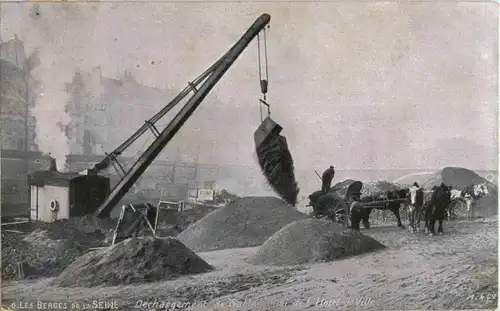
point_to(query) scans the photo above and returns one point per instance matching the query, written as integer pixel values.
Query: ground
(455, 271)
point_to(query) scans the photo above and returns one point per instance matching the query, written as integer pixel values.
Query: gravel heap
(246, 222)
(45, 249)
(39, 253)
(135, 260)
(312, 240)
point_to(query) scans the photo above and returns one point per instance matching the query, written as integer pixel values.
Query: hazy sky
(355, 85)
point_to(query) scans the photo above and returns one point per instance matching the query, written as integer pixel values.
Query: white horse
(470, 196)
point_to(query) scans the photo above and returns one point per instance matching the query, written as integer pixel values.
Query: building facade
(17, 125)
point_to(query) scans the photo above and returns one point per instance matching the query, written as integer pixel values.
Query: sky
(354, 85)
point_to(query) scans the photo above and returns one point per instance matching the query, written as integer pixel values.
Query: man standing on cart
(327, 178)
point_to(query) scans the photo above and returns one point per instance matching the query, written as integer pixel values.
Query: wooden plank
(13, 231)
(15, 223)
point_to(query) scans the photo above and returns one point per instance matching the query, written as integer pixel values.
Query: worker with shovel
(327, 178)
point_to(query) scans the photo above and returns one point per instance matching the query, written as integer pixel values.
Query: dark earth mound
(136, 260)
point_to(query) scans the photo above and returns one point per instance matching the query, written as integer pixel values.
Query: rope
(263, 81)
(258, 56)
(265, 55)
(260, 73)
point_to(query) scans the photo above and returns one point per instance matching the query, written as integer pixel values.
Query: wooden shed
(56, 195)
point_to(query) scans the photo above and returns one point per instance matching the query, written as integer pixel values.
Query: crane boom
(104, 164)
(173, 127)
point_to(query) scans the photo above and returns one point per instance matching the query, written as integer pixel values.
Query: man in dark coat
(327, 178)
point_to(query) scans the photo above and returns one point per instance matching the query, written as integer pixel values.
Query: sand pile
(40, 254)
(373, 188)
(459, 178)
(136, 260)
(245, 222)
(313, 240)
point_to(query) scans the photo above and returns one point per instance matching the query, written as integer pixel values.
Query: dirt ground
(455, 271)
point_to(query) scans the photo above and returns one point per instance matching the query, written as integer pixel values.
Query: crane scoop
(276, 161)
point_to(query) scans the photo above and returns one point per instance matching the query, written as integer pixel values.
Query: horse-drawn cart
(336, 206)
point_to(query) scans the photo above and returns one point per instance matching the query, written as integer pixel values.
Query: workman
(354, 213)
(327, 178)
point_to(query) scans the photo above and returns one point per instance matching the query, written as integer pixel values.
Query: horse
(386, 203)
(415, 207)
(469, 196)
(435, 208)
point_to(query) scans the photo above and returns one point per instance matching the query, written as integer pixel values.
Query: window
(4, 142)
(20, 144)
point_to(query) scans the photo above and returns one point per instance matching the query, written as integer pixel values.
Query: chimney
(53, 165)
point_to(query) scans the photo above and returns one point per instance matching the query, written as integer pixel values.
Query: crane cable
(264, 81)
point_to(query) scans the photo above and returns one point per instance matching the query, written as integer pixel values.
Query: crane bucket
(276, 161)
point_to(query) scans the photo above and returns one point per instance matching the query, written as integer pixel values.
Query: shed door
(34, 202)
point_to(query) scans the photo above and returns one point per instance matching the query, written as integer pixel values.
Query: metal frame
(136, 223)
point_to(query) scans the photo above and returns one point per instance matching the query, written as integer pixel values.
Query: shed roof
(41, 178)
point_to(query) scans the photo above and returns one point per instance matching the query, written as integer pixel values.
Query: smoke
(50, 110)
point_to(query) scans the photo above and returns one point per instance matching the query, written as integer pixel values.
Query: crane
(200, 87)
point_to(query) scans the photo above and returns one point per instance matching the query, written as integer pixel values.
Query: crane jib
(173, 127)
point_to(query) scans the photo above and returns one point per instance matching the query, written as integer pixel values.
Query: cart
(336, 206)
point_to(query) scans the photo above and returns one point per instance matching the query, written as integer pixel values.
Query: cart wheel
(338, 210)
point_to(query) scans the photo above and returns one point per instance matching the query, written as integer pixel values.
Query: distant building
(17, 126)
(105, 111)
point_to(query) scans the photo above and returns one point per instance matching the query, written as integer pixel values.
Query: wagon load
(378, 189)
(340, 188)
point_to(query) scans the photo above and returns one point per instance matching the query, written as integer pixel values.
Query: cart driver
(327, 178)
